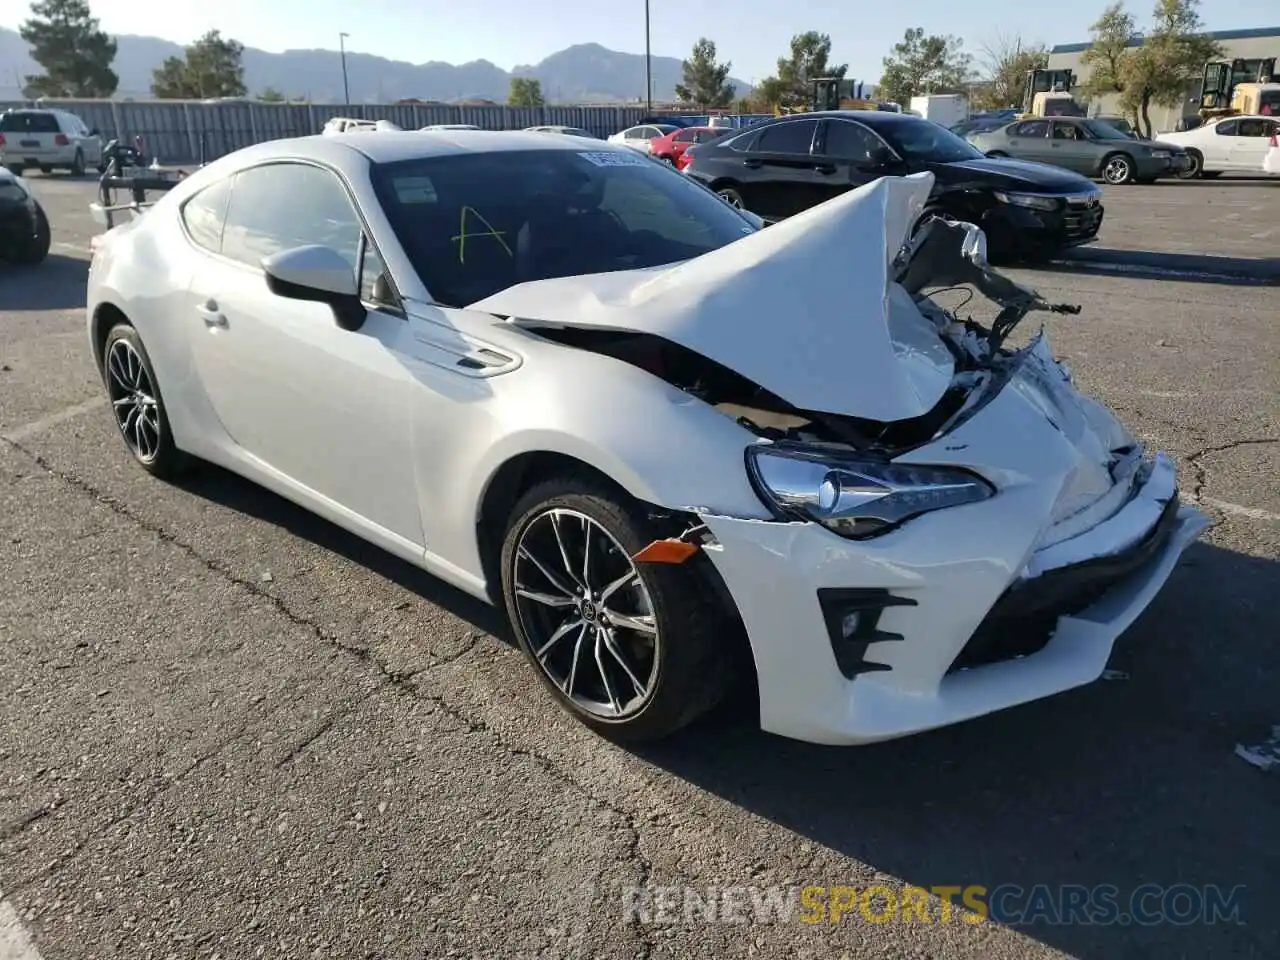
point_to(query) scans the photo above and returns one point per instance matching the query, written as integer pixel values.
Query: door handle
(752, 163)
(825, 169)
(209, 314)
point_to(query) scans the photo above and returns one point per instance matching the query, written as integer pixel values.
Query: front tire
(635, 651)
(137, 404)
(77, 165)
(1196, 168)
(37, 246)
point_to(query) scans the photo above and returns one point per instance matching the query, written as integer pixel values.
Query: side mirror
(319, 274)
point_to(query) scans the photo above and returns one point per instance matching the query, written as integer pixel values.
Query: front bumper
(1076, 221)
(941, 587)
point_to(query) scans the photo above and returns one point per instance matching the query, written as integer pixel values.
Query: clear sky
(750, 33)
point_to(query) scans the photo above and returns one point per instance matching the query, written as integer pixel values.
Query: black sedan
(24, 228)
(780, 167)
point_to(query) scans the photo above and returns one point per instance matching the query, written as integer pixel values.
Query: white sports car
(577, 384)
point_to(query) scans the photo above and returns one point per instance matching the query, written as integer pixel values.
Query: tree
(1172, 56)
(211, 68)
(272, 95)
(925, 64)
(525, 92)
(810, 58)
(1005, 62)
(704, 79)
(75, 54)
(1108, 55)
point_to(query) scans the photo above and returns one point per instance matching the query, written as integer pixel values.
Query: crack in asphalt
(399, 681)
(1201, 477)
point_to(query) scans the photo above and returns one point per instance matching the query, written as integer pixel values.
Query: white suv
(48, 139)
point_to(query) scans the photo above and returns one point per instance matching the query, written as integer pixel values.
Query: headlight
(1028, 200)
(854, 496)
(1160, 154)
(12, 191)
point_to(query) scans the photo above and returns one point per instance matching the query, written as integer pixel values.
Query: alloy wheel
(732, 198)
(586, 614)
(134, 400)
(1117, 170)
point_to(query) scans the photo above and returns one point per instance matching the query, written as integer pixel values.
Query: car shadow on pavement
(1121, 784)
(57, 284)
(234, 492)
(1156, 265)
(1128, 782)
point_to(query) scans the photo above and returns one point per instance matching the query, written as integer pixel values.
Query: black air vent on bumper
(853, 616)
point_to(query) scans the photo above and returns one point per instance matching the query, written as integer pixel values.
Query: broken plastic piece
(671, 550)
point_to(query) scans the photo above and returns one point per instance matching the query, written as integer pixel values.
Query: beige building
(1263, 42)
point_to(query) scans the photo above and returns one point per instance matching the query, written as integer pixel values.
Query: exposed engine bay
(942, 256)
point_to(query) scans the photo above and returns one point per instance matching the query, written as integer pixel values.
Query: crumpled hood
(804, 308)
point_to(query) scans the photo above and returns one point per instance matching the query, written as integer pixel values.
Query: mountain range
(583, 73)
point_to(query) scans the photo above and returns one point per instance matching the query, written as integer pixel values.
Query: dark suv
(780, 167)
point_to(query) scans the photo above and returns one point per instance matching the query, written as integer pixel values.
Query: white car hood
(804, 308)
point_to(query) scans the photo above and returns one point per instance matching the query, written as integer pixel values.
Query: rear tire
(672, 664)
(1118, 168)
(731, 196)
(137, 404)
(77, 165)
(1196, 168)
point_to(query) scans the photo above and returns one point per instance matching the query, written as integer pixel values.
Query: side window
(1252, 128)
(742, 143)
(372, 270)
(684, 136)
(1227, 128)
(795, 136)
(1066, 131)
(849, 141)
(279, 206)
(205, 213)
(1032, 128)
(635, 133)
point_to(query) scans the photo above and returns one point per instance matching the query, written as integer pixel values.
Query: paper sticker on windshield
(616, 158)
(415, 190)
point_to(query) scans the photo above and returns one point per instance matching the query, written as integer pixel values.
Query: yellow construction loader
(1047, 93)
(1239, 86)
(836, 93)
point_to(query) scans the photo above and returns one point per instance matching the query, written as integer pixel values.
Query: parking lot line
(18, 434)
(15, 942)
(70, 248)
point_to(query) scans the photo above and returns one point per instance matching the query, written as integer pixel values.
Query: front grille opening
(1023, 620)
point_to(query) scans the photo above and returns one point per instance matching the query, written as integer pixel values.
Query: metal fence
(186, 131)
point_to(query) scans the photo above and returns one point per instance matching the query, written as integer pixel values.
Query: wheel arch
(105, 316)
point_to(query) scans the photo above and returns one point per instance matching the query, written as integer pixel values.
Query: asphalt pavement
(228, 729)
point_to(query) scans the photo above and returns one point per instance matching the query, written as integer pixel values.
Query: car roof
(390, 146)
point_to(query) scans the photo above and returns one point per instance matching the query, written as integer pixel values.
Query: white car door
(1249, 147)
(326, 407)
(1220, 146)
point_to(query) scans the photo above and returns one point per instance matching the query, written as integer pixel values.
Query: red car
(671, 148)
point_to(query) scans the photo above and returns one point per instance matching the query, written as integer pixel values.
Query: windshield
(476, 223)
(925, 140)
(1103, 130)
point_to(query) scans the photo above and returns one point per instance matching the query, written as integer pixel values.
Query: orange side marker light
(666, 551)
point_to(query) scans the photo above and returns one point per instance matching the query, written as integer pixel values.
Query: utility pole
(648, 63)
(342, 52)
